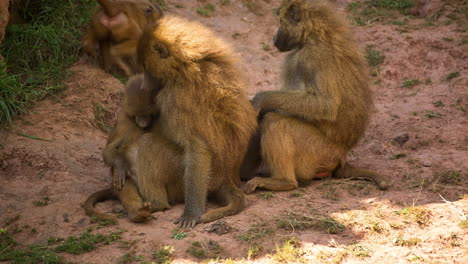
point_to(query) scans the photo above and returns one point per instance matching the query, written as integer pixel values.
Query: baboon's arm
(303, 104)
(197, 161)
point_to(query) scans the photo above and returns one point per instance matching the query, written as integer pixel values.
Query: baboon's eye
(293, 14)
(148, 11)
(161, 49)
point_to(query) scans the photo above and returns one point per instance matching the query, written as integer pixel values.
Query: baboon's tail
(349, 172)
(93, 199)
(108, 7)
(235, 200)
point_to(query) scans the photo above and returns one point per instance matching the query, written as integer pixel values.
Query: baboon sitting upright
(322, 110)
(205, 119)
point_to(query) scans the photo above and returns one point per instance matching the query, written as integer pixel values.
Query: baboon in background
(322, 109)
(134, 118)
(115, 29)
(203, 112)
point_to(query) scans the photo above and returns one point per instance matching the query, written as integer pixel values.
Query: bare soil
(418, 138)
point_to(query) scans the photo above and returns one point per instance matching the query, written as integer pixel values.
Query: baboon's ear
(293, 14)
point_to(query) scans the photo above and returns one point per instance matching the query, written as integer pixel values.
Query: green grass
(163, 255)
(178, 235)
(13, 252)
(374, 57)
(397, 156)
(43, 202)
(370, 11)
(452, 75)
(290, 252)
(206, 10)
(450, 177)
(302, 222)
(432, 114)
(86, 242)
(38, 52)
(410, 83)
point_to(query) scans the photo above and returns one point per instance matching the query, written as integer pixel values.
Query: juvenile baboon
(322, 109)
(203, 111)
(137, 112)
(115, 29)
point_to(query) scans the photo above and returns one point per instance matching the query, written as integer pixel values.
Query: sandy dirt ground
(418, 138)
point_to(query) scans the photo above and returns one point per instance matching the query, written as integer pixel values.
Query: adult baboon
(322, 109)
(204, 113)
(115, 29)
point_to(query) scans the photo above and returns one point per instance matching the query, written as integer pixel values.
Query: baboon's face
(288, 36)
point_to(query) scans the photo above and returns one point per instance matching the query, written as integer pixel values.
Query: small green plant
(452, 75)
(225, 2)
(433, 114)
(13, 252)
(235, 35)
(438, 104)
(129, 257)
(265, 195)
(289, 252)
(450, 177)
(410, 83)
(361, 251)
(417, 214)
(43, 202)
(103, 222)
(206, 10)
(178, 235)
(266, 47)
(296, 195)
(163, 255)
(397, 156)
(407, 242)
(256, 232)
(463, 224)
(374, 57)
(293, 221)
(197, 250)
(87, 242)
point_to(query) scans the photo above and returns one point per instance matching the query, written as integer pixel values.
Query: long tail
(108, 7)
(235, 203)
(93, 199)
(349, 172)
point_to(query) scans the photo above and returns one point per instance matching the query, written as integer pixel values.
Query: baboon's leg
(292, 150)
(153, 168)
(133, 203)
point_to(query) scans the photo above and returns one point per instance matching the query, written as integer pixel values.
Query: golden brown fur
(203, 112)
(115, 29)
(322, 109)
(121, 150)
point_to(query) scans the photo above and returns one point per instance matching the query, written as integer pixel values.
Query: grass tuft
(289, 252)
(38, 52)
(417, 214)
(163, 255)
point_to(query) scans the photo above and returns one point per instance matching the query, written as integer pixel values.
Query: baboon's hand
(257, 101)
(186, 221)
(118, 179)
